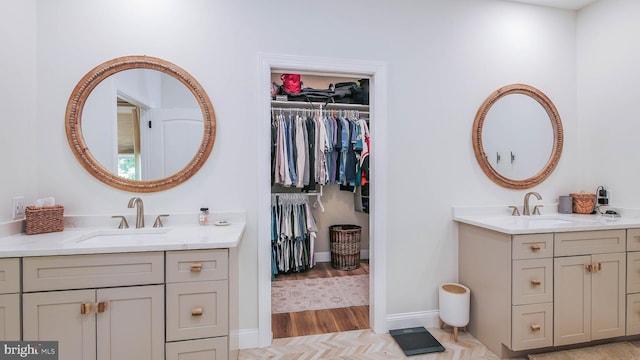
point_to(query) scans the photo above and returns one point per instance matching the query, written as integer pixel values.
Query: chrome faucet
(525, 207)
(137, 202)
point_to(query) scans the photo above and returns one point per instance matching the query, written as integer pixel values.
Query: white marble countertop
(102, 239)
(499, 219)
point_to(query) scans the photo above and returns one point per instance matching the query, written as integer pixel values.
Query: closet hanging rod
(288, 110)
(299, 193)
(328, 106)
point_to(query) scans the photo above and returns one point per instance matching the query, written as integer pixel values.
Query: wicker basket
(583, 203)
(44, 219)
(344, 241)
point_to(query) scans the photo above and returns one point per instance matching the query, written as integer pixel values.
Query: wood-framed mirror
(517, 136)
(140, 124)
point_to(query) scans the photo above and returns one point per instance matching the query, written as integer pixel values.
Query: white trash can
(454, 300)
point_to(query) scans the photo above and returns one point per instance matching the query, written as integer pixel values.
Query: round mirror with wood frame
(80, 149)
(540, 174)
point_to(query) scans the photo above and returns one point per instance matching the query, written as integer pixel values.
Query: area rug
(619, 350)
(319, 293)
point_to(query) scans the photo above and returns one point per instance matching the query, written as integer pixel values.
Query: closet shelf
(316, 105)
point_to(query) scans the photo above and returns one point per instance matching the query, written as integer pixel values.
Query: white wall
(608, 97)
(18, 137)
(444, 58)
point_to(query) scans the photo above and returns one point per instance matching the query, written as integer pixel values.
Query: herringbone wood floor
(321, 321)
(344, 333)
(364, 344)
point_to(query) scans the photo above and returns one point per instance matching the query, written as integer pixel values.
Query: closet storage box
(44, 219)
(344, 241)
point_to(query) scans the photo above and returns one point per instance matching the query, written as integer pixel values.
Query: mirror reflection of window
(128, 140)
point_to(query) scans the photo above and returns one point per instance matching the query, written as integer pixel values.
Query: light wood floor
(314, 322)
(364, 344)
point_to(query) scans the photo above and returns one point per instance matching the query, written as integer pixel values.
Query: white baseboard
(249, 339)
(407, 320)
(325, 256)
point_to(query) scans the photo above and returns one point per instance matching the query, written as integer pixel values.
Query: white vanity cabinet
(534, 291)
(104, 306)
(197, 304)
(10, 299)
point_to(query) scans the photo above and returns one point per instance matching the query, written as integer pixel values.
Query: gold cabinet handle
(536, 282)
(594, 268)
(535, 247)
(100, 307)
(535, 327)
(196, 267)
(196, 311)
(85, 308)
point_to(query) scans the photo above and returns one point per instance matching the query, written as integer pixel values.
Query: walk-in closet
(320, 200)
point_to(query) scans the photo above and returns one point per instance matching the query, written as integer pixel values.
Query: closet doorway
(321, 277)
(375, 227)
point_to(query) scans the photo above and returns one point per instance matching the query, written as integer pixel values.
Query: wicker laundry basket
(344, 241)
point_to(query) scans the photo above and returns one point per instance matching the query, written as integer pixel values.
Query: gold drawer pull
(85, 308)
(598, 266)
(100, 307)
(589, 268)
(196, 267)
(535, 327)
(196, 311)
(536, 282)
(536, 247)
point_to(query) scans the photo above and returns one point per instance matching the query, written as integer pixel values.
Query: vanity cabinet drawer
(633, 239)
(532, 281)
(589, 242)
(197, 310)
(532, 326)
(92, 271)
(633, 314)
(202, 349)
(532, 246)
(197, 265)
(9, 276)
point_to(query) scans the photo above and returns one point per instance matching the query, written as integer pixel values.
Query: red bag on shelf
(291, 82)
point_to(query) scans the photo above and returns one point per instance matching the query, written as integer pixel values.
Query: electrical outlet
(604, 196)
(17, 207)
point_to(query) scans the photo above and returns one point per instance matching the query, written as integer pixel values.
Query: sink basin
(123, 237)
(535, 221)
(549, 221)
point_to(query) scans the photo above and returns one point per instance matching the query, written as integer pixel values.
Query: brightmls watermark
(31, 350)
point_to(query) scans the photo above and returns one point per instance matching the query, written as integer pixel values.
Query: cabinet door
(633, 314)
(10, 317)
(58, 316)
(608, 296)
(633, 272)
(572, 300)
(131, 325)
